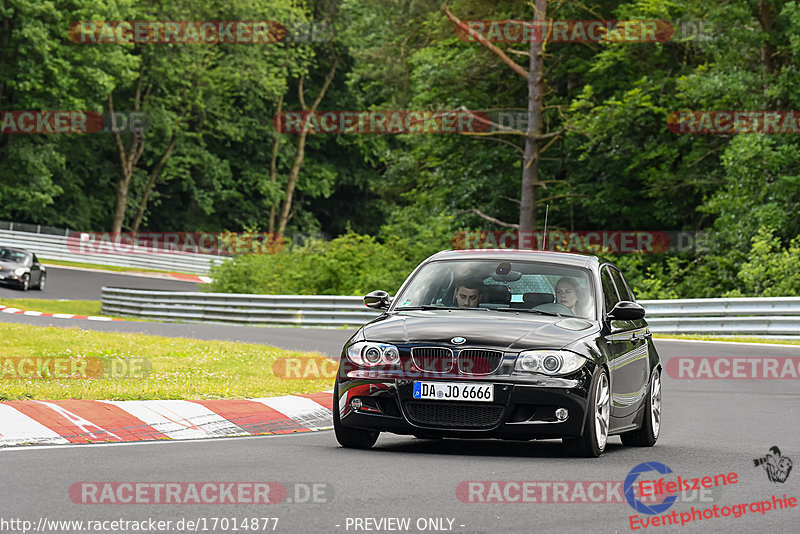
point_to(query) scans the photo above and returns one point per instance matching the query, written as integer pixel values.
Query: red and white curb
(191, 278)
(197, 278)
(35, 422)
(8, 309)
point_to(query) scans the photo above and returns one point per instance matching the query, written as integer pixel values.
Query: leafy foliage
(611, 163)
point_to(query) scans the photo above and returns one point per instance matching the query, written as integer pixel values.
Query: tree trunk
(301, 148)
(273, 166)
(128, 159)
(530, 160)
(152, 181)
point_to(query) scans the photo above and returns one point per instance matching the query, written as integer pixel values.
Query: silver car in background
(21, 268)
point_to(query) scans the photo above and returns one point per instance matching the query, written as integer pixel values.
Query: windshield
(500, 285)
(13, 255)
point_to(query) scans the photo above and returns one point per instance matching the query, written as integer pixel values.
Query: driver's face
(566, 295)
(467, 298)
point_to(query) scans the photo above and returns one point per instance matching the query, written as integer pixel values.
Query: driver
(468, 293)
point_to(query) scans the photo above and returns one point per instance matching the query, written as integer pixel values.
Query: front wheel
(647, 435)
(350, 438)
(595, 432)
(42, 280)
(25, 282)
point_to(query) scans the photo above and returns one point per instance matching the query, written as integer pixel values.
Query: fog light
(562, 414)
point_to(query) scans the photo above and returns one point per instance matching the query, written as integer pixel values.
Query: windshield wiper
(526, 310)
(432, 307)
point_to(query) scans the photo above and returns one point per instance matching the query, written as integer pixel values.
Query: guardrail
(767, 317)
(296, 310)
(50, 246)
(777, 317)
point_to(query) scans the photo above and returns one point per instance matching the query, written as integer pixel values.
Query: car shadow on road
(484, 447)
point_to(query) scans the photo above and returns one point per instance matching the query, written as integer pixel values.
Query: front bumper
(519, 410)
(10, 278)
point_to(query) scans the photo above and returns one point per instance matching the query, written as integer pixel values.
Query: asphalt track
(710, 427)
(83, 284)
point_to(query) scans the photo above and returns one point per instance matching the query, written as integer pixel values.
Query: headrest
(496, 294)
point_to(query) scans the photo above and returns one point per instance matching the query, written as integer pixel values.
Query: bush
(771, 270)
(351, 264)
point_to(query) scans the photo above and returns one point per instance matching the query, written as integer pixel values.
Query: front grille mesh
(433, 359)
(454, 415)
(478, 361)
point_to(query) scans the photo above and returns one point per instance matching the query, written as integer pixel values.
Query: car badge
(458, 341)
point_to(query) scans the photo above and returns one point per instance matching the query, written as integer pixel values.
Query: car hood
(505, 330)
(9, 265)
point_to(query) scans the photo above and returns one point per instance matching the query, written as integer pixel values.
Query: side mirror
(626, 310)
(377, 300)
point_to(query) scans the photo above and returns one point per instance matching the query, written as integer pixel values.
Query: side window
(622, 287)
(609, 292)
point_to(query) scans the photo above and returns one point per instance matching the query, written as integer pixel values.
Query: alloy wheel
(602, 411)
(655, 403)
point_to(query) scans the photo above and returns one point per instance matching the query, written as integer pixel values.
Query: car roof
(543, 256)
(15, 249)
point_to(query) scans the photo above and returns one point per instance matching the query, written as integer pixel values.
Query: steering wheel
(552, 307)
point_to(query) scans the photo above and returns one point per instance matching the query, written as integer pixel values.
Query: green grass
(95, 266)
(181, 368)
(737, 339)
(76, 307)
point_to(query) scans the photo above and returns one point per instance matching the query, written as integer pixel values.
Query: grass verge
(737, 339)
(75, 307)
(179, 368)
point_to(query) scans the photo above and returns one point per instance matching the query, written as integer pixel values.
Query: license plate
(460, 391)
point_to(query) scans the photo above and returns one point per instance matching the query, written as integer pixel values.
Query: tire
(595, 431)
(25, 283)
(647, 434)
(350, 438)
(42, 280)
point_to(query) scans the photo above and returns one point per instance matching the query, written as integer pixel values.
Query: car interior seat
(531, 300)
(496, 296)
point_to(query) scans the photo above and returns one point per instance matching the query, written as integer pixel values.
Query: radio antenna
(544, 234)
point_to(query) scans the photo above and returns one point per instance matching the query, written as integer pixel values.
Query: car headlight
(368, 354)
(549, 362)
(19, 271)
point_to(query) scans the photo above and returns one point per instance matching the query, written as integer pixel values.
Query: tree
(534, 76)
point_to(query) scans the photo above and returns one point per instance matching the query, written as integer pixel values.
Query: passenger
(568, 294)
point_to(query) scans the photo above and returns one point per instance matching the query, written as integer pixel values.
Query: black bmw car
(503, 344)
(21, 268)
